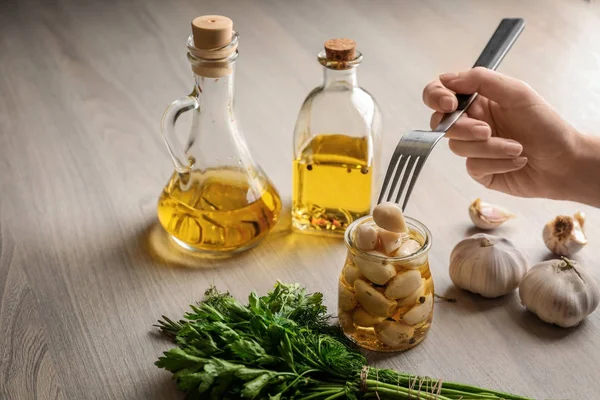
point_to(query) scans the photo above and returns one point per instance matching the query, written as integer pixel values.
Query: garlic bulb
(488, 216)
(488, 265)
(564, 235)
(560, 292)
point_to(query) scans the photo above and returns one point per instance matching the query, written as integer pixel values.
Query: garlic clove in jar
(363, 318)
(564, 235)
(408, 248)
(346, 297)
(560, 292)
(377, 271)
(488, 216)
(403, 284)
(372, 300)
(389, 217)
(351, 273)
(346, 322)
(366, 237)
(390, 241)
(420, 312)
(394, 334)
(414, 296)
(487, 265)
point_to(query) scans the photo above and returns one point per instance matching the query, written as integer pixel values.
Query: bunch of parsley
(282, 346)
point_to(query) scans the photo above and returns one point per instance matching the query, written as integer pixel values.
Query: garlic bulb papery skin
(560, 292)
(487, 265)
(564, 235)
(488, 216)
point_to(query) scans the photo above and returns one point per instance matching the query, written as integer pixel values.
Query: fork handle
(492, 55)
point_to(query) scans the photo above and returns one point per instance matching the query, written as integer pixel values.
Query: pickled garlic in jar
(385, 289)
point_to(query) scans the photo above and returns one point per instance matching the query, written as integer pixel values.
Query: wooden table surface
(84, 269)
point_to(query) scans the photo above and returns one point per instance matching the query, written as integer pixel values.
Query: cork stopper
(212, 38)
(340, 50)
(211, 31)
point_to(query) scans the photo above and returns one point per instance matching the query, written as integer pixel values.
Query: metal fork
(415, 146)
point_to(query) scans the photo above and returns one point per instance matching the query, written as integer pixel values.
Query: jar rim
(411, 222)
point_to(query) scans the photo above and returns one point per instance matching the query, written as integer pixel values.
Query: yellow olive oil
(332, 180)
(218, 211)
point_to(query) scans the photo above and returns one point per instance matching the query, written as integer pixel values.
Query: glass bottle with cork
(336, 147)
(218, 200)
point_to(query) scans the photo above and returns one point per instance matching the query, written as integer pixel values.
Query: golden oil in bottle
(218, 211)
(332, 181)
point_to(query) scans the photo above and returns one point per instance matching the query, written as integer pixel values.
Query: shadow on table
(473, 302)
(153, 240)
(516, 312)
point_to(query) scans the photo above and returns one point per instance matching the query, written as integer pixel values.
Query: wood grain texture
(84, 269)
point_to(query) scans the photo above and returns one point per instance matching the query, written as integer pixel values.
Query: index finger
(439, 98)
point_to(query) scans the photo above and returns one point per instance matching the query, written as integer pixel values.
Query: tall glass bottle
(336, 147)
(218, 200)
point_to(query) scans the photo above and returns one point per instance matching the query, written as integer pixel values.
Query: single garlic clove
(412, 298)
(488, 216)
(408, 248)
(394, 334)
(373, 301)
(377, 271)
(420, 312)
(366, 237)
(351, 273)
(346, 297)
(560, 292)
(403, 284)
(363, 318)
(580, 217)
(389, 217)
(564, 235)
(346, 322)
(390, 241)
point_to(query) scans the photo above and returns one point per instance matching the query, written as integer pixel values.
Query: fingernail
(513, 148)
(447, 103)
(520, 161)
(449, 76)
(481, 132)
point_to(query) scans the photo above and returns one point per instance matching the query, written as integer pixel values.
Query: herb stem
(335, 396)
(321, 394)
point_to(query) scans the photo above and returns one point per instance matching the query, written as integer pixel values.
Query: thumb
(497, 87)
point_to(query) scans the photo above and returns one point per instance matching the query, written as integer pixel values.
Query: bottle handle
(169, 119)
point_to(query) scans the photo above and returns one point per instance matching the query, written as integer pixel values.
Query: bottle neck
(346, 77)
(215, 95)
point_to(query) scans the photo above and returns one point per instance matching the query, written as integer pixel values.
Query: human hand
(513, 140)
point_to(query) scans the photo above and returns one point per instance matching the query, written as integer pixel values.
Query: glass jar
(337, 147)
(395, 315)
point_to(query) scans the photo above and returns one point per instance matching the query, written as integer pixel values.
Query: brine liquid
(331, 184)
(218, 211)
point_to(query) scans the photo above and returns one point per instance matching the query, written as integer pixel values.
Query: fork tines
(406, 163)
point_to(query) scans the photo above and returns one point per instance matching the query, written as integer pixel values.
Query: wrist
(582, 180)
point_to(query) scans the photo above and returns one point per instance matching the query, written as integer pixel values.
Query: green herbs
(282, 346)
